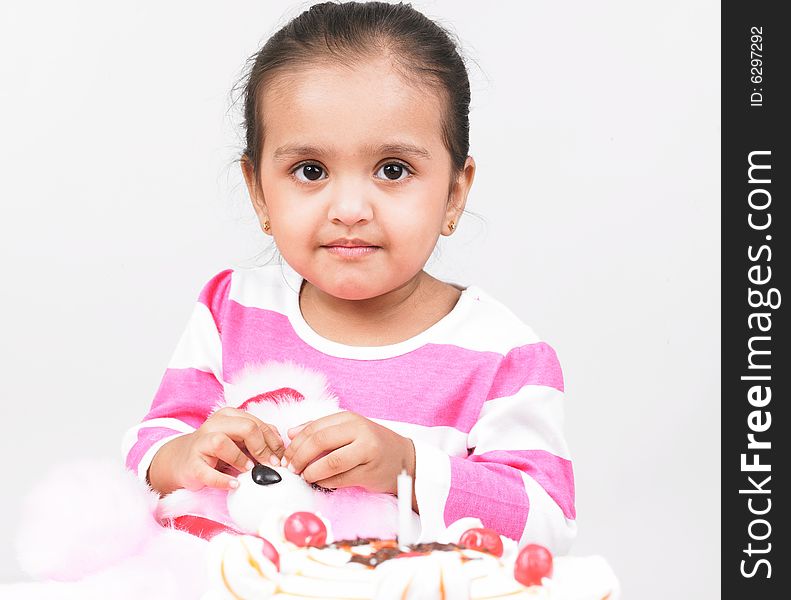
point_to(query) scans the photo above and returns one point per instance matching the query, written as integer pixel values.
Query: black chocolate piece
(264, 475)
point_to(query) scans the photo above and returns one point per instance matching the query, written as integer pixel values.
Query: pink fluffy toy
(92, 529)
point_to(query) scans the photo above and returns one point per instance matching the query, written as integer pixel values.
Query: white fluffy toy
(92, 529)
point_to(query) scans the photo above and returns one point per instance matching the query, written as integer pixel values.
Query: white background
(595, 127)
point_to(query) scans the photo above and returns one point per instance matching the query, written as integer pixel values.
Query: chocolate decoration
(264, 475)
(350, 543)
(389, 549)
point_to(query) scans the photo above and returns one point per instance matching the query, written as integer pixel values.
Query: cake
(249, 567)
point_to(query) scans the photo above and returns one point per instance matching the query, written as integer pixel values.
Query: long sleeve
(191, 385)
(517, 477)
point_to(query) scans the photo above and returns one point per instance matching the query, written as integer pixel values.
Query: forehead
(350, 108)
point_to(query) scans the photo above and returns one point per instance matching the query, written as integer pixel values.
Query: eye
(310, 172)
(393, 171)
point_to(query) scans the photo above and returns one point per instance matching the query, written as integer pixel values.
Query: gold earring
(266, 225)
(452, 225)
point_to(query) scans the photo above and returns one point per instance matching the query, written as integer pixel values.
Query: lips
(352, 251)
(350, 243)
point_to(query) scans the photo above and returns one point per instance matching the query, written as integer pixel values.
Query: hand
(346, 449)
(228, 438)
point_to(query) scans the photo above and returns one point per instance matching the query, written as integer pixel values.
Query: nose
(264, 475)
(349, 204)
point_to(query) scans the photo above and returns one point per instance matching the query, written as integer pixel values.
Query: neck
(369, 310)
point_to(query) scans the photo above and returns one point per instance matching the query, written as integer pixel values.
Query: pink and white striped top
(478, 392)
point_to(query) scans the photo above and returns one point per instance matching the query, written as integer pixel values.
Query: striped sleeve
(191, 386)
(517, 478)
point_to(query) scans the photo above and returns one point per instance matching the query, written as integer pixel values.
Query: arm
(517, 478)
(191, 386)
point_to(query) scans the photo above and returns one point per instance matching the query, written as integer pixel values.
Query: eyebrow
(294, 150)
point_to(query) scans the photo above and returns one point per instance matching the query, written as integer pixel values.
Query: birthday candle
(404, 483)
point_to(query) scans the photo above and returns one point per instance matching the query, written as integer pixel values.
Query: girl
(356, 161)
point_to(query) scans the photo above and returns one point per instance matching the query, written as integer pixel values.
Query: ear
(255, 191)
(457, 198)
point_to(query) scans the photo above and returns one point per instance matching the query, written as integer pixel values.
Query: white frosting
(438, 575)
(239, 570)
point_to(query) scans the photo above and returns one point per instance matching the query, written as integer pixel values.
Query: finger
(261, 439)
(221, 446)
(274, 444)
(295, 430)
(354, 476)
(205, 475)
(219, 421)
(323, 440)
(224, 412)
(250, 432)
(263, 443)
(244, 449)
(334, 463)
(310, 429)
(224, 467)
(258, 441)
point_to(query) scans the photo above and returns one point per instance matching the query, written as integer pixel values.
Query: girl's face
(355, 154)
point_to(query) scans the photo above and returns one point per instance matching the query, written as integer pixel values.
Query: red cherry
(270, 552)
(482, 539)
(533, 563)
(305, 529)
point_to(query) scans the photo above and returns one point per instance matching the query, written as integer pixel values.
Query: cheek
(292, 217)
(279, 194)
(419, 219)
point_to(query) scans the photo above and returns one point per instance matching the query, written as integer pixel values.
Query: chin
(352, 288)
(353, 293)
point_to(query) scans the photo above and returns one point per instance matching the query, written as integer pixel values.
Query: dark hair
(422, 51)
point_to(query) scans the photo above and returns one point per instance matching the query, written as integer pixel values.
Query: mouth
(350, 243)
(351, 251)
